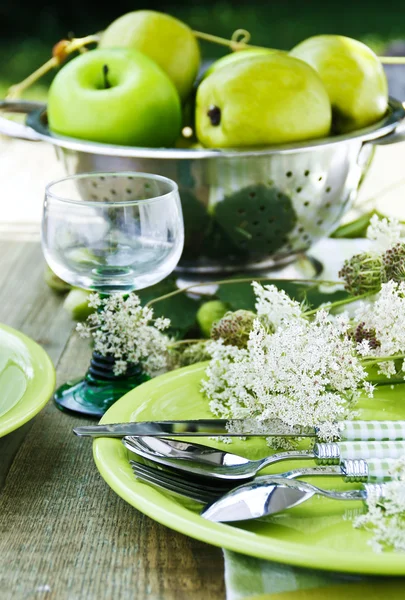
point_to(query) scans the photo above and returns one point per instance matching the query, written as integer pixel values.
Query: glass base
(98, 390)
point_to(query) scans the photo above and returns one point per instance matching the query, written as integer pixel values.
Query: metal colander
(243, 210)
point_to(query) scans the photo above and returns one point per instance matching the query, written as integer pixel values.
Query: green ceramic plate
(317, 534)
(27, 379)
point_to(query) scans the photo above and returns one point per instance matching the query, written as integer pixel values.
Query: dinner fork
(206, 491)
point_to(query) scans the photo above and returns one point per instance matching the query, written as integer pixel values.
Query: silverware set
(227, 485)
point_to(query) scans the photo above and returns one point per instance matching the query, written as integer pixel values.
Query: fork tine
(179, 485)
(203, 498)
(174, 476)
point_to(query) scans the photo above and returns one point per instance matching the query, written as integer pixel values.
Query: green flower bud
(362, 274)
(234, 328)
(183, 356)
(394, 263)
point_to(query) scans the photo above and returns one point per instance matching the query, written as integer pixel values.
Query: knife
(349, 430)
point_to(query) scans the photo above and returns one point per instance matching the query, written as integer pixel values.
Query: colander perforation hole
(262, 208)
(106, 199)
(319, 222)
(289, 174)
(255, 223)
(94, 184)
(320, 178)
(252, 195)
(102, 178)
(328, 189)
(94, 197)
(328, 205)
(306, 203)
(241, 211)
(128, 191)
(300, 229)
(305, 237)
(306, 173)
(113, 192)
(298, 190)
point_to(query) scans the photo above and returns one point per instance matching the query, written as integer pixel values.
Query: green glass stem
(99, 389)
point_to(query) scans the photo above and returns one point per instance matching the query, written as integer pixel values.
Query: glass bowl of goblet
(110, 233)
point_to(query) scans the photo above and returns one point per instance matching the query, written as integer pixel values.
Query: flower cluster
(274, 306)
(384, 233)
(385, 518)
(384, 324)
(124, 329)
(234, 328)
(365, 273)
(305, 373)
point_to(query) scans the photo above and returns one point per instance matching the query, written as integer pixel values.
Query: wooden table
(64, 534)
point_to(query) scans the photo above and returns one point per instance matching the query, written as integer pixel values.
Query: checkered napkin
(248, 578)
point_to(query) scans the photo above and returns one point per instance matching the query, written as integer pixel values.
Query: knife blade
(195, 428)
(348, 430)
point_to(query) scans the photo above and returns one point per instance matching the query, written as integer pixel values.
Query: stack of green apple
(140, 86)
(143, 86)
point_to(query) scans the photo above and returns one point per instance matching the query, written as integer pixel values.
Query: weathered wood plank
(27, 304)
(64, 534)
(63, 528)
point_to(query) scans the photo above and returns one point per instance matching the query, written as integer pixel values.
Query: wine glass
(110, 232)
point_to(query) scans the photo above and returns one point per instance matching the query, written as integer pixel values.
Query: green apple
(263, 100)
(209, 313)
(77, 304)
(115, 96)
(54, 282)
(168, 41)
(353, 76)
(229, 59)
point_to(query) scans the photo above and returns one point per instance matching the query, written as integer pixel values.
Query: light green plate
(27, 379)
(317, 534)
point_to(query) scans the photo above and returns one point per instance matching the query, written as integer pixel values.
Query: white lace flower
(369, 388)
(306, 373)
(274, 306)
(385, 519)
(385, 233)
(124, 329)
(386, 320)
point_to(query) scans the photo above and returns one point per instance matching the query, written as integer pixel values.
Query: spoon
(198, 459)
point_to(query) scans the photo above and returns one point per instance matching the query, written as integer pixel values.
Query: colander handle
(18, 130)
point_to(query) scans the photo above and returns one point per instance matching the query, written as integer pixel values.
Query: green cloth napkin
(251, 578)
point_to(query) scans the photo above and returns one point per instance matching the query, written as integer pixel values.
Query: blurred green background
(29, 31)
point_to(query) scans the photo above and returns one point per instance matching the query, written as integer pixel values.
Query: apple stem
(60, 52)
(107, 84)
(233, 43)
(392, 60)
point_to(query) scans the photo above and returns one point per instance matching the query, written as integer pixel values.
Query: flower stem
(189, 341)
(372, 361)
(238, 280)
(339, 303)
